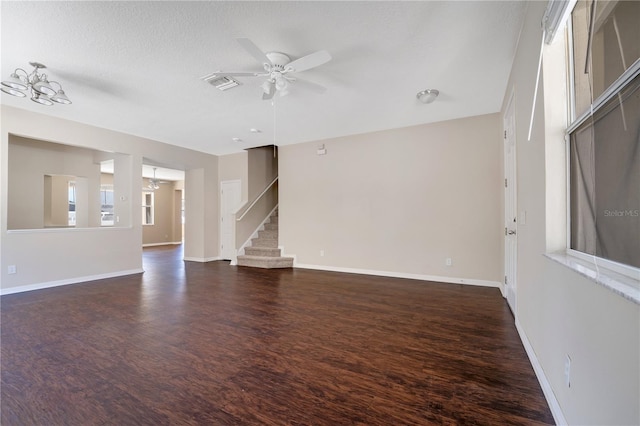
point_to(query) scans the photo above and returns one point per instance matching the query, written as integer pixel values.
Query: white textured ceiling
(135, 67)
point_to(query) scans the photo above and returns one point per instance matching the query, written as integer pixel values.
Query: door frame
(510, 205)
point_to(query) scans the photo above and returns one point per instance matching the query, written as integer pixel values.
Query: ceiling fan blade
(315, 87)
(220, 74)
(254, 50)
(310, 61)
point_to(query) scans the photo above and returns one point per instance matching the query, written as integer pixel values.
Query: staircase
(264, 251)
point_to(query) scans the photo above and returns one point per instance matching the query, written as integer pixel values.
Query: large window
(604, 143)
(72, 203)
(147, 208)
(106, 205)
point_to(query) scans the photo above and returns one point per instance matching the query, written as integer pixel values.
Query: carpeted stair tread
(262, 251)
(265, 262)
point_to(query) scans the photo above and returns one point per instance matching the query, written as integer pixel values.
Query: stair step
(262, 251)
(262, 242)
(273, 219)
(265, 262)
(270, 226)
(268, 234)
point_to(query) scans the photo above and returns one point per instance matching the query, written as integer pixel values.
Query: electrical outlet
(12, 269)
(448, 261)
(322, 253)
(567, 371)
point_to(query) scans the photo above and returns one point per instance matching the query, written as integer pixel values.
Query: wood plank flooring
(210, 344)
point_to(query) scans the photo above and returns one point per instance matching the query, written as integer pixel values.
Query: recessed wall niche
(53, 185)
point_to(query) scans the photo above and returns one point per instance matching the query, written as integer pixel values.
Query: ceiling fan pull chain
(273, 104)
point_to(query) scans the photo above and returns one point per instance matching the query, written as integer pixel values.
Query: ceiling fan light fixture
(41, 99)
(13, 92)
(427, 96)
(266, 86)
(281, 83)
(43, 86)
(37, 84)
(15, 82)
(277, 67)
(153, 183)
(61, 98)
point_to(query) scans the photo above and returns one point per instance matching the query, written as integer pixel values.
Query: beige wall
(49, 257)
(31, 161)
(256, 168)
(559, 312)
(166, 226)
(398, 201)
(262, 169)
(235, 167)
(201, 228)
(56, 200)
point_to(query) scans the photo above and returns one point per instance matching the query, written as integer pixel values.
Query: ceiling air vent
(222, 83)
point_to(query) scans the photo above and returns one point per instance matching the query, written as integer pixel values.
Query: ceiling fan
(155, 183)
(277, 68)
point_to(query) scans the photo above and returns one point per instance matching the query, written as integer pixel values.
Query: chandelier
(153, 183)
(20, 84)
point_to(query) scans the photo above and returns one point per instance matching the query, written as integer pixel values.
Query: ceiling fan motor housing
(279, 61)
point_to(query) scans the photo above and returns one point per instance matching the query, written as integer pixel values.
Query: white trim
(555, 17)
(202, 259)
(69, 229)
(436, 278)
(602, 263)
(554, 406)
(512, 182)
(48, 284)
(616, 87)
(627, 287)
(168, 243)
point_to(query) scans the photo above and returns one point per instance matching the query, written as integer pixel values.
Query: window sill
(626, 287)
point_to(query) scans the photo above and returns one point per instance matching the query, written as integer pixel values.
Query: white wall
(49, 257)
(398, 202)
(558, 311)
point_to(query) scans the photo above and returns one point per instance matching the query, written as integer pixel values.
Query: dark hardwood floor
(211, 344)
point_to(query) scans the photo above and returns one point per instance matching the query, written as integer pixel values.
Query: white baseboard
(554, 406)
(437, 278)
(48, 284)
(202, 259)
(168, 243)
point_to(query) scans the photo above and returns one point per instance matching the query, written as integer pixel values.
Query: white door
(230, 198)
(510, 207)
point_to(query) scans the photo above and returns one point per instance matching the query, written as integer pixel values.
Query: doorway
(510, 207)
